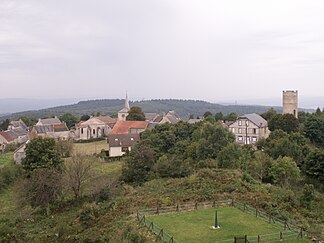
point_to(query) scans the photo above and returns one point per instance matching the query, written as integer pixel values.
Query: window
(254, 131)
(240, 130)
(81, 130)
(254, 139)
(124, 149)
(247, 123)
(132, 139)
(233, 130)
(240, 138)
(240, 122)
(93, 131)
(116, 139)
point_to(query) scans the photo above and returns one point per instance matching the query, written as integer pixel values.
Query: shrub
(88, 214)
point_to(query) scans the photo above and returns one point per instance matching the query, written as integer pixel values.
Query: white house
(119, 144)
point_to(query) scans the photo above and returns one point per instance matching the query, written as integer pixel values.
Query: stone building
(290, 102)
(249, 128)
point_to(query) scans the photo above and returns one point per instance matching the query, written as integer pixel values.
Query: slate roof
(43, 128)
(19, 131)
(123, 140)
(49, 121)
(256, 119)
(123, 127)
(150, 116)
(17, 124)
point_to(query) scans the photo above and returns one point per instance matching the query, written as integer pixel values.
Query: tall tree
(135, 114)
(314, 129)
(284, 170)
(219, 116)
(4, 125)
(41, 153)
(286, 122)
(69, 119)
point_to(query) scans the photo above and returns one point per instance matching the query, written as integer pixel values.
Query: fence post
(177, 207)
(196, 206)
(245, 239)
(234, 239)
(281, 235)
(171, 239)
(161, 234)
(259, 239)
(301, 233)
(214, 204)
(157, 210)
(256, 212)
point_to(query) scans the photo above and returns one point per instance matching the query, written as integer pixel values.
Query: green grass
(6, 158)
(195, 226)
(90, 148)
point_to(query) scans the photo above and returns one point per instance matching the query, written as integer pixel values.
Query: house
(20, 153)
(56, 131)
(17, 124)
(170, 117)
(124, 136)
(129, 127)
(195, 120)
(94, 127)
(6, 138)
(123, 113)
(249, 128)
(48, 121)
(119, 144)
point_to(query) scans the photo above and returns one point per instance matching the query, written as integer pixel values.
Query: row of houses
(121, 134)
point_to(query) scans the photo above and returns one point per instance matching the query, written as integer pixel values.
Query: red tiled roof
(123, 127)
(60, 128)
(7, 136)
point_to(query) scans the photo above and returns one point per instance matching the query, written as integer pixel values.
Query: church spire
(127, 102)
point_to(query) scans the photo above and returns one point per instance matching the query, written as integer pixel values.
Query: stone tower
(290, 102)
(123, 113)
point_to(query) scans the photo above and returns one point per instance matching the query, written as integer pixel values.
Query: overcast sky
(193, 49)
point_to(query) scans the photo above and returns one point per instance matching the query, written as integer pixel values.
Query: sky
(219, 51)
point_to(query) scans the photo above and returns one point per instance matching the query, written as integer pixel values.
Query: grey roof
(43, 128)
(256, 119)
(150, 116)
(50, 121)
(120, 140)
(19, 131)
(18, 124)
(12, 134)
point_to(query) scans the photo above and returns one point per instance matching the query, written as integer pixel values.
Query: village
(122, 134)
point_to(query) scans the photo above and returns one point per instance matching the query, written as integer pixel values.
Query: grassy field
(6, 158)
(195, 226)
(90, 148)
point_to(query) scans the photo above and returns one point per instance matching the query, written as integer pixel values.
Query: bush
(88, 214)
(172, 167)
(104, 195)
(8, 174)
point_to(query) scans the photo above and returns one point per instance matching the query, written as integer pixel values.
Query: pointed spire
(126, 102)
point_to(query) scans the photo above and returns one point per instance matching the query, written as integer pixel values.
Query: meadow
(196, 226)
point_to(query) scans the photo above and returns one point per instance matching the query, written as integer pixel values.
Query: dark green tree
(285, 122)
(269, 114)
(28, 121)
(229, 156)
(207, 113)
(314, 129)
(139, 164)
(4, 125)
(219, 116)
(231, 117)
(308, 196)
(135, 114)
(84, 118)
(69, 119)
(42, 153)
(314, 165)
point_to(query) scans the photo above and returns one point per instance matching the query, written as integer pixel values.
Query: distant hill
(111, 106)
